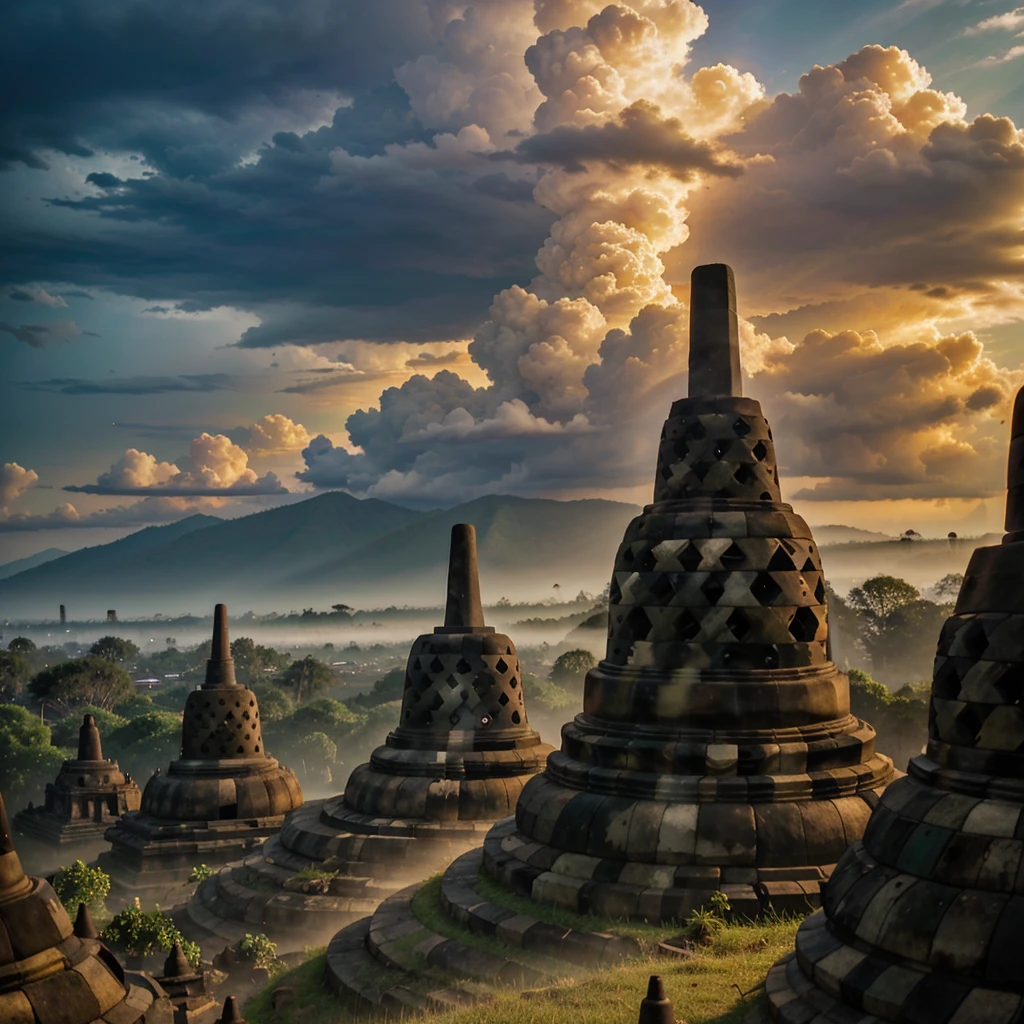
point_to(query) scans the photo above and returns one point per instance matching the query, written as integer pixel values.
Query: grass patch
(313, 872)
(310, 991)
(648, 935)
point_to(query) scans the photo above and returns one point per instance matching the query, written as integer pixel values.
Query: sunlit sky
(425, 251)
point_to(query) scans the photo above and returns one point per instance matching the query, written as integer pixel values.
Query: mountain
(21, 564)
(324, 550)
(838, 534)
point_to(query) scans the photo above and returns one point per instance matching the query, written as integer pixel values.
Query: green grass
(310, 991)
(313, 872)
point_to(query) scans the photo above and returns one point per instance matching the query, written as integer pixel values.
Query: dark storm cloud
(638, 136)
(268, 484)
(133, 385)
(38, 335)
(71, 70)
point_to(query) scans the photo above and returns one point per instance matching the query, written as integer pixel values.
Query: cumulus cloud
(14, 481)
(219, 467)
(276, 432)
(1011, 21)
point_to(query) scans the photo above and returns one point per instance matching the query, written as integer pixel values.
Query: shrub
(201, 872)
(65, 732)
(138, 933)
(260, 951)
(570, 668)
(27, 758)
(78, 883)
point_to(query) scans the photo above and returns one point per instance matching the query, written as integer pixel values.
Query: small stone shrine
(222, 797)
(48, 973)
(186, 989)
(715, 752)
(923, 920)
(87, 797)
(456, 763)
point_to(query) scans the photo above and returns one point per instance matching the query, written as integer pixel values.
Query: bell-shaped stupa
(923, 920)
(457, 761)
(87, 797)
(716, 749)
(223, 796)
(48, 973)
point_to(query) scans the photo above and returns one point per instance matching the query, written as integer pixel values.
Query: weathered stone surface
(716, 745)
(221, 798)
(923, 919)
(49, 974)
(87, 797)
(457, 761)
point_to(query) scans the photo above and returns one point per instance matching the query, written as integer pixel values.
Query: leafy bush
(326, 715)
(78, 883)
(201, 872)
(146, 743)
(900, 719)
(137, 704)
(137, 933)
(545, 694)
(27, 758)
(260, 951)
(385, 690)
(275, 704)
(570, 668)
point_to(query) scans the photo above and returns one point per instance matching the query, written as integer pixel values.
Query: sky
(426, 250)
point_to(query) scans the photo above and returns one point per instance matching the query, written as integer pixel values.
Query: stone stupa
(48, 973)
(457, 761)
(716, 749)
(87, 797)
(222, 797)
(923, 920)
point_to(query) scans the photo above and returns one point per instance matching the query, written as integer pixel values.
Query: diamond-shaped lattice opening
(712, 588)
(760, 451)
(454, 718)
(781, 562)
(973, 639)
(946, 679)
(687, 627)
(695, 431)
(501, 665)
(644, 560)
(732, 557)
(627, 555)
(701, 469)
(513, 682)
(481, 685)
(662, 587)
(437, 665)
(743, 474)
(463, 667)
(437, 703)
(452, 682)
(809, 565)
(819, 592)
(740, 427)
(515, 718)
(680, 448)
(503, 699)
(739, 624)
(804, 625)
(721, 448)
(690, 557)
(638, 624)
(765, 589)
(416, 664)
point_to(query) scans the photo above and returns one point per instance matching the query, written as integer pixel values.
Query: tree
(343, 609)
(570, 668)
(949, 586)
(113, 648)
(146, 743)
(137, 933)
(275, 704)
(306, 677)
(880, 596)
(253, 662)
(21, 645)
(28, 760)
(13, 673)
(78, 883)
(326, 715)
(65, 732)
(86, 681)
(390, 687)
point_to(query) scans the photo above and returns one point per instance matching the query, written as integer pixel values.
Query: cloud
(275, 432)
(139, 385)
(147, 512)
(1011, 21)
(33, 293)
(14, 481)
(219, 468)
(428, 359)
(1013, 53)
(39, 335)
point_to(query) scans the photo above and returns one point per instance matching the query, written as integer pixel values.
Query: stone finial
(1015, 474)
(231, 1014)
(12, 875)
(89, 748)
(463, 610)
(84, 927)
(714, 333)
(656, 1007)
(176, 965)
(220, 669)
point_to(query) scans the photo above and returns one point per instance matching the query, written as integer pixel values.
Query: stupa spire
(1015, 475)
(220, 668)
(12, 875)
(89, 748)
(84, 926)
(463, 611)
(714, 333)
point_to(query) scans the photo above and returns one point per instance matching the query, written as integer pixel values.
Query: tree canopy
(306, 677)
(253, 662)
(21, 645)
(114, 648)
(27, 758)
(880, 596)
(84, 681)
(570, 668)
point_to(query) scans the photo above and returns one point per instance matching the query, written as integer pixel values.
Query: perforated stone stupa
(716, 749)
(49, 974)
(223, 796)
(457, 761)
(87, 797)
(923, 921)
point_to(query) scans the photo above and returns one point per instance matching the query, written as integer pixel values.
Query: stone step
(361, 984)
(206, 928)
(398, 940)
(463, 904)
